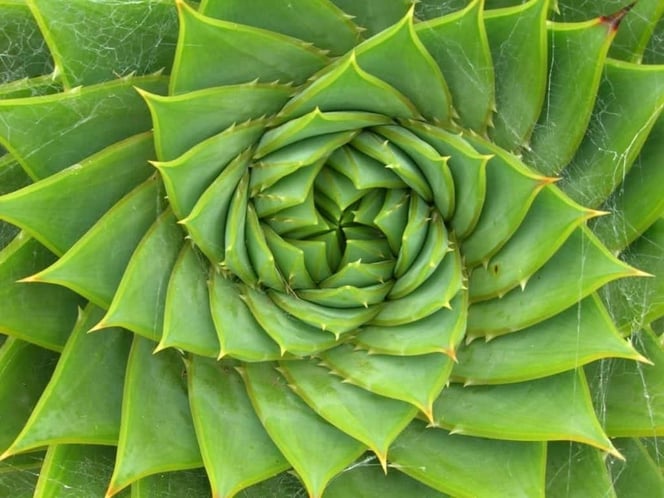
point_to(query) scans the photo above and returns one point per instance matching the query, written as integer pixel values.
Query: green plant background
(80, 77)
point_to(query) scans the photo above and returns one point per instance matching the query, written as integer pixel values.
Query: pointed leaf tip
(613, 20)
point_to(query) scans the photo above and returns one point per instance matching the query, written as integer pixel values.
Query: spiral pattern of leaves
(324, 238)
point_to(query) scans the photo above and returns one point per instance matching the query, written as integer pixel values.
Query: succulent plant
(331, 248)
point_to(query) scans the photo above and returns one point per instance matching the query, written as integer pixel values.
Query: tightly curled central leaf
(335, 214)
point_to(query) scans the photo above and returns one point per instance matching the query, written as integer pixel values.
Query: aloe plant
(331, 248)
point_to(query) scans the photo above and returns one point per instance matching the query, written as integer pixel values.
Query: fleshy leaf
(239, 334)
(549, 221)
(320, 22)
(187, 320)
(26, 367)
(470, 467)
(75, 468)
(181, 121)
(458, 43)
(557, 407)
(576, 471)
(629, 101)
(575, 54)
(154, 403)
(39, 313)
(58, 210)
(517, 39)
(297, 431)
(81, 403)
(374, 420)
(131, 216)
(138, 304)
(417, 380)
(375, 15)
(437, 333)
(236, 450)
(579, 268)
(113, 110)
(187, 176)
(99, 50)
(246, 53)
(399, 58)
(577, 336)
(628, 394)
(348, 86)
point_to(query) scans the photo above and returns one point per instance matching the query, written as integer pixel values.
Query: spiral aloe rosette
(365, 190)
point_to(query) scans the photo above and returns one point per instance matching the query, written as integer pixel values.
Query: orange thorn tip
(98, 327)
(31, 278)
(159, 348)
(613, 20)
(382, 458)
(451, 352)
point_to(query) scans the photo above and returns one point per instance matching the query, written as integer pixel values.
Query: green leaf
(576, 53)
(636, 28)
(399, 58)
(99, 50)
(35, 312)
(207, 221)
(556, 408)
(75, 468)
(19, 474)
(374, 420)
(432, 165)
(236, 450)
(328, 319)
(22, 45)
(638, 202)
(579, 335)
(366, 478)
(314, 124)
(548, 223)
(375, 15)
(246, 53)
(81, 403)
(291, 334)
(187, 176)
(113, 112)
(61, 208)
(638, 474)
(318, 22)
(459, 45)
(297, 431)
(628, 395)
(154, 404)
(138, 304)
(629, 101)
(26, 368)
(439, 332)
(131, 217)
(347, 86)
(417, 380)
(239, 333)
(427, 298)
(171, 484)
(187, 320)
(181, 121)
(468, 168)
(576, 471)
(636, 303)
(579, 268)
(470, 467)
(511, 189)
(517, 39)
